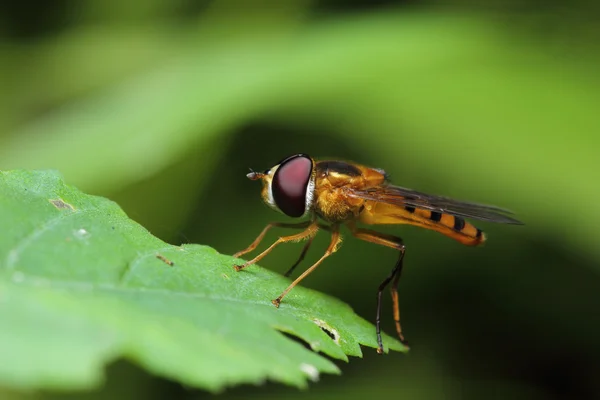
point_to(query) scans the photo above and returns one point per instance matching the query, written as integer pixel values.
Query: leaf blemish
(330, 331)
(225, 276)
(165, 260)
(81, 233)
(311, 371)
(61, 204)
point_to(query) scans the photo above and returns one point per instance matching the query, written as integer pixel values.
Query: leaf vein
(15, 252)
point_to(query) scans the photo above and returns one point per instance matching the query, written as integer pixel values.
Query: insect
(332, 193)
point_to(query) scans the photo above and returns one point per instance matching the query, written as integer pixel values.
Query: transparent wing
(400, 196)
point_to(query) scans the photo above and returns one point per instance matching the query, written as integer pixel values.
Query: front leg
(310, 231)
(264, 232)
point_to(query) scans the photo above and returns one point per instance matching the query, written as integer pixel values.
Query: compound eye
(290, 184)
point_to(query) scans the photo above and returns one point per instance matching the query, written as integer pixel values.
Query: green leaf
(82, 285)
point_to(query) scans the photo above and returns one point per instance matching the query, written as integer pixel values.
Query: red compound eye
(290, 184)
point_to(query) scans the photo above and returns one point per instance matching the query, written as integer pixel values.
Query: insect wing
(400, 196)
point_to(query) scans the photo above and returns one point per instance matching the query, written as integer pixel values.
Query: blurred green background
(163, 105)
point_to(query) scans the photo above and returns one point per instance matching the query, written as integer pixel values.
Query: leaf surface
(81, 285)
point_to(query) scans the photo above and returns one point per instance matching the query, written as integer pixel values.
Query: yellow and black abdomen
(375, 213)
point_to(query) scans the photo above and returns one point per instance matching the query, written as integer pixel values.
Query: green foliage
(422, 88)
(82, 285)
(163, 106)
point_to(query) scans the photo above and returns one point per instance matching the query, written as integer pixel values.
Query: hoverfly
(334, 193)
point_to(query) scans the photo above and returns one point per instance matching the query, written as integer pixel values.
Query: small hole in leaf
(329, 330)
(328, 333)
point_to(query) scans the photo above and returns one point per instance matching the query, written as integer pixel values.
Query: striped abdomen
(455, 227)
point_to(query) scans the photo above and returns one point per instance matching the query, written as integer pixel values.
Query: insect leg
(305, 250)
(311, 230)
(395, 243)
(394, 292)
(333, 246)
(264, 232)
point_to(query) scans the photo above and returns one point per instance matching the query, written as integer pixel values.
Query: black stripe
(479, 234)
(435, 216)
(409, 209)
(459, 224)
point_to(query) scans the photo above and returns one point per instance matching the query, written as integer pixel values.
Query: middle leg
(305, 250)
(333, 246)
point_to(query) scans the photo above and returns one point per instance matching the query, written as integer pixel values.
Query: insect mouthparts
(253, 175)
